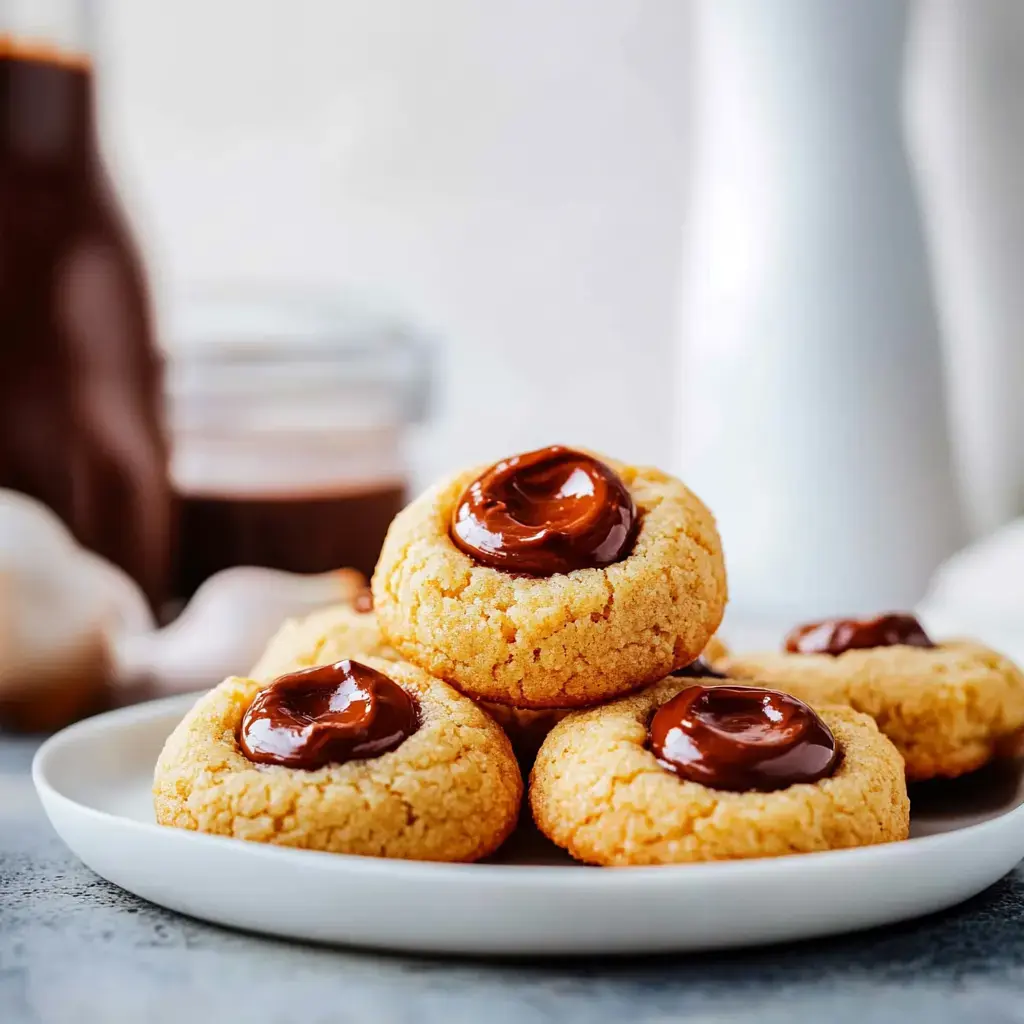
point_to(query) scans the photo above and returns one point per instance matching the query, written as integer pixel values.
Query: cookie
(598, 790)
(949, 709)
(449, 791)
(506, 632)
(321, 638)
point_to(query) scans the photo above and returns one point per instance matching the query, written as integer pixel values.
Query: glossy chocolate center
(546, 512)
(742, 738)
(834, 636)
(328, 714)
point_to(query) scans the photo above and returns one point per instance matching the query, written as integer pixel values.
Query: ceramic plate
(94, 781)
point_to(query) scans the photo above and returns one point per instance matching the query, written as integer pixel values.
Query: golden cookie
(564, 640)
(597, 791)
(948, 709)
(322, 638)
(450, 792)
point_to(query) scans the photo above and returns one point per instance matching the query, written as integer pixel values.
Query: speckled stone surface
(75, 949)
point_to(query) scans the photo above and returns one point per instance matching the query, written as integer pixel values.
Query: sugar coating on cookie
(450, 792)
(558, 641)
(948, 709)
(598, 792)
(321, 638)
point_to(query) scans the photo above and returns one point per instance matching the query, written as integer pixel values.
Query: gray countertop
(75, 948)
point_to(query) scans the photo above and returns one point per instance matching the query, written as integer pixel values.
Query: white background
(511, 174)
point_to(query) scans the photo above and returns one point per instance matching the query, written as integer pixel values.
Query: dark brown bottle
(81, 425)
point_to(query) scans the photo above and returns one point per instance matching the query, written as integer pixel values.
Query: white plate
(94, 781)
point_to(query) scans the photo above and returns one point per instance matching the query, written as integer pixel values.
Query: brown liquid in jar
(81, 425)
(299, 533)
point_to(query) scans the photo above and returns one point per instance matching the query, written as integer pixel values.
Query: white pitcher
(812, 415)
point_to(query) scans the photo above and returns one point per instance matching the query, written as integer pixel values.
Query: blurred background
(511, 176)
(772, 247)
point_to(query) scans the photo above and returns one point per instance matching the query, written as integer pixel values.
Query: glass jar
(287, 422)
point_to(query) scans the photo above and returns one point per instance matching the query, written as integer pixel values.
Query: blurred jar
(287, 422)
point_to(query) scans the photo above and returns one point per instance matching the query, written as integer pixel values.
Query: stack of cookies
(564, 601)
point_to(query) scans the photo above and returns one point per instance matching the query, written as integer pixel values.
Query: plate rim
(576, 875)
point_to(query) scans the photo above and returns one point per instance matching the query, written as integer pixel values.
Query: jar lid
(291, 361)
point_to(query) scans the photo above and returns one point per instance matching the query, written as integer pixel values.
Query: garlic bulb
(59, 605)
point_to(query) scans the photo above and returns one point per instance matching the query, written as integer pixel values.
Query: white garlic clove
(224, 628)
